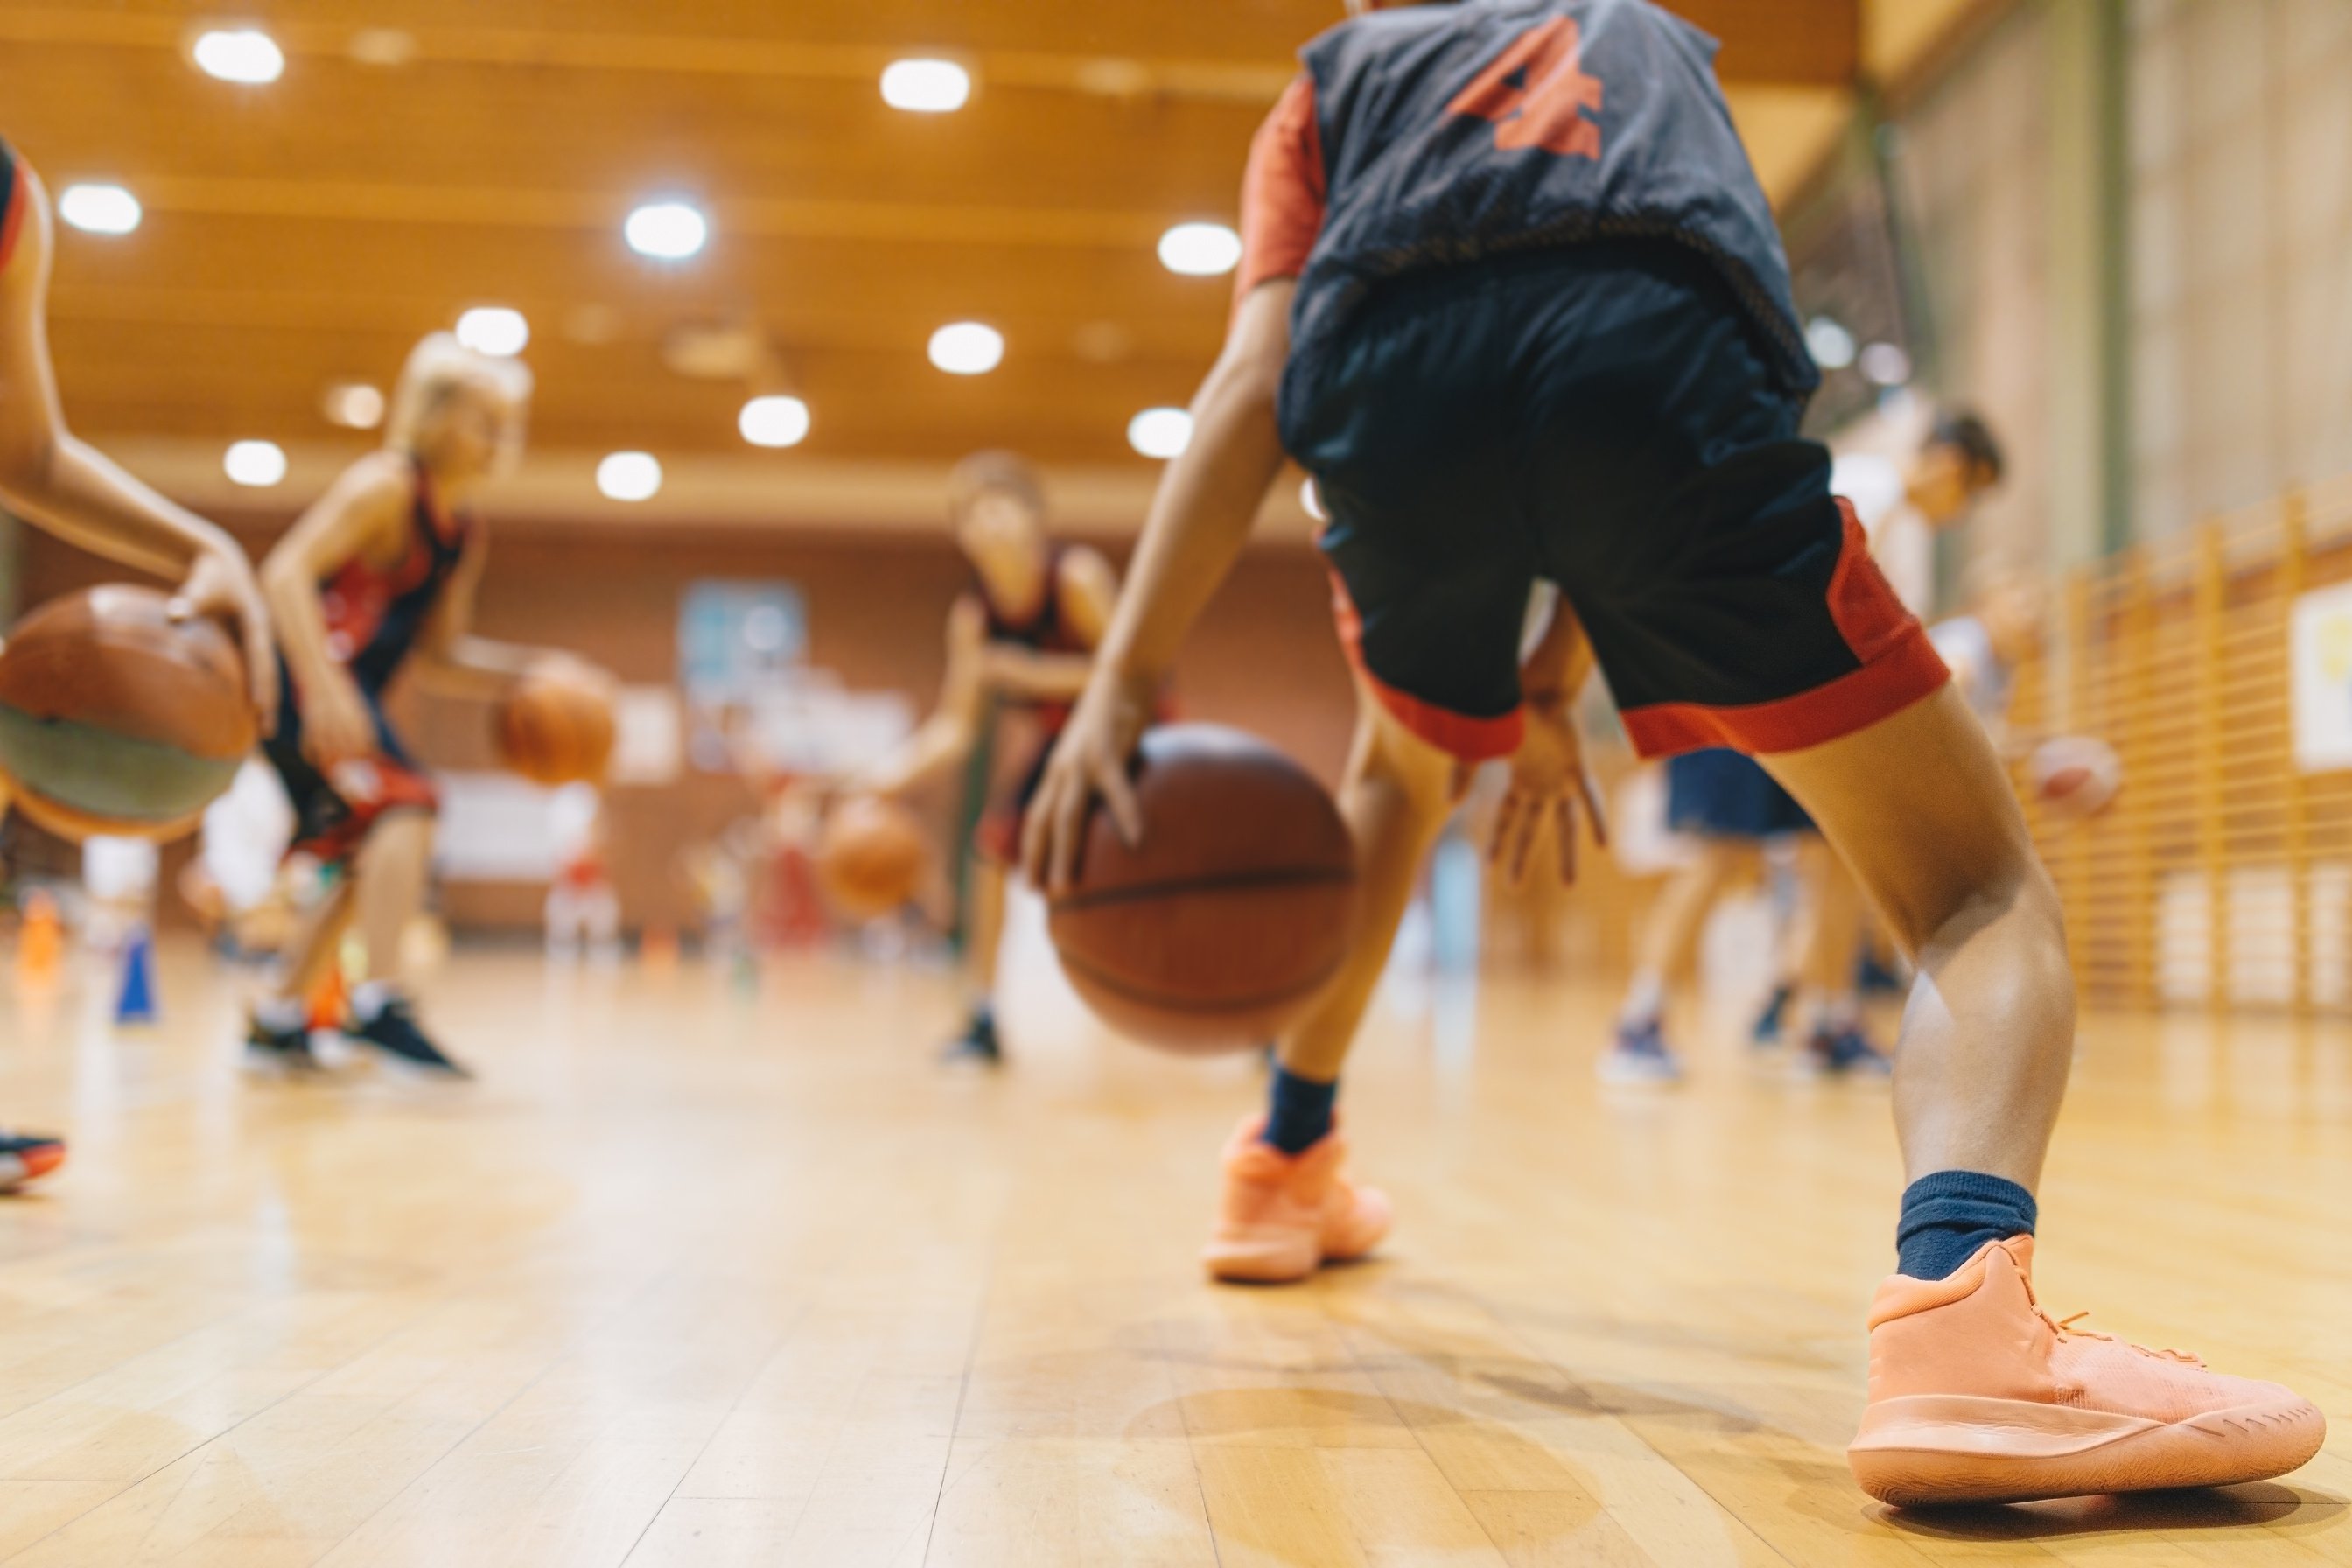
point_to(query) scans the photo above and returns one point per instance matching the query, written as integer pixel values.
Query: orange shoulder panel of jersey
(1282, 192)
(12, 200)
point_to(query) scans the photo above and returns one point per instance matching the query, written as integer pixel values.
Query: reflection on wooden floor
(702, 1275)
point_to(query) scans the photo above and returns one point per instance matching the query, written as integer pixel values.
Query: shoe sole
(1931, 1449)
(1280, 1259)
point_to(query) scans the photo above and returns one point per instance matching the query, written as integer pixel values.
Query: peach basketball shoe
(1284, 1214)
(1979, 1395)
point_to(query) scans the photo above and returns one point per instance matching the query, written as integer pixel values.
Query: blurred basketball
(1221, 925)
(555, 726)
(871, 855)
(117, 721)
(2075, 777)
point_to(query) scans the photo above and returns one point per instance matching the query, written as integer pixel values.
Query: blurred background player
(1910, 477)
(1620, 415)
(378, 577)
(68, 488)
(1020, 642)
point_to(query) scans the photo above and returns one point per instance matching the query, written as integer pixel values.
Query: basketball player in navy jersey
(1020, 639)
(56, 482)
(378, 578)
(1511, 293)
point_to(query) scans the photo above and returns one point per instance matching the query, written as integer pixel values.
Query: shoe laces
(2065, 1330)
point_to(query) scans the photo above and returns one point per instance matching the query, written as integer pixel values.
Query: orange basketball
(1235, 907)
(555, 726)
(871, 857)
(115, 718)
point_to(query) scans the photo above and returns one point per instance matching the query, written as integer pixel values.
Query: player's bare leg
(988, 886)
(1287, 1205)
(1666, 948)
(1976, 1394)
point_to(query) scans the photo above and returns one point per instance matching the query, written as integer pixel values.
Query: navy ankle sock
(1298, 1111)
(1947, 1215)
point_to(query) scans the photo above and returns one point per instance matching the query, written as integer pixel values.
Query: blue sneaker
(1844, 1052)
(1774, 1018)
(1640, 1056)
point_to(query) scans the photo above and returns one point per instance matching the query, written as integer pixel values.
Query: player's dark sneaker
(1844, 1052)
(1774, 1018)
(393, 1031)
(25, 1155)
(978, 1043)
(277, 1053)
(1640, 1055)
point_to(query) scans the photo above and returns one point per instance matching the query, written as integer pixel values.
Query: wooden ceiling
(309, 230)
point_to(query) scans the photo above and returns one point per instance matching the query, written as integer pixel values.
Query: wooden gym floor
(696, 1276)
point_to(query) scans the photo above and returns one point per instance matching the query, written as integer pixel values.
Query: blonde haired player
(55, 480)
(378, 577)
(1527, 316)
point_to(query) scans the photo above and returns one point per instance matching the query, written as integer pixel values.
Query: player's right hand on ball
(336, 727)
(221, 586)
(1089, 763)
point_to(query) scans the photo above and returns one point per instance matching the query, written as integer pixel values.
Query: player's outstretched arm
(945, 739)
(452, 661)
(1200, 519)
(71, 489)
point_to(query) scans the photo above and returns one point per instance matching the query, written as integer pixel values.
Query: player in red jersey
(379, 577)
(1021, 641)
(1514, 297)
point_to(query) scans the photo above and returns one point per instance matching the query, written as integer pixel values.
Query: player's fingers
(1498, 845)
(1524, 841)
(1069, 826)
(1564, 824)
(1034, 830)
(1119, 793)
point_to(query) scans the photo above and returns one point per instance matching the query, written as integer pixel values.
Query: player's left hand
(1549, 778)
(221, 585)
(1089, 763)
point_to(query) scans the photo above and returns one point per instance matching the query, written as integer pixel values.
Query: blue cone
(136, 1004)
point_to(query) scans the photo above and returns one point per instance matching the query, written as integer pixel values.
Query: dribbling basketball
(1313, 782)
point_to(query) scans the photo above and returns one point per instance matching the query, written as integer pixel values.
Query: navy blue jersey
(1454, 133)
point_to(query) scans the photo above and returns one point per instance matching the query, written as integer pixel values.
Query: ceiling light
(1201, 249)
(926, 87)
(629, 475)
(494, 329)
(774, 421)
(967, 348)
(1831, 344)
(258, 464)
(353, 405)
(667, 231)
(1885, 365)
(240, 54)
(1160, 432)
(100, 209)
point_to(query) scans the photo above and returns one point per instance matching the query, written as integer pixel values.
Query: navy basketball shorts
(1602, 416)
(1717, 794)
(333, 815)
